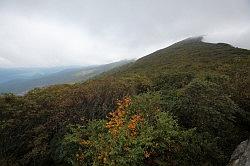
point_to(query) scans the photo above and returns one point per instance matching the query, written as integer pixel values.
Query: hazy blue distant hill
(8, 74)
(20, 80)
(186, 104)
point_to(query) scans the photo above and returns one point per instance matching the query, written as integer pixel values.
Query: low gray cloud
(82, 32)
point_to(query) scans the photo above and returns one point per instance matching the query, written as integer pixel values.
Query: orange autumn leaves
(122, 123)
(133, 124)
(117, 119)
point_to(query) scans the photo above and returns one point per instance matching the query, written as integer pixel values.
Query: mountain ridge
(187, 104)
(63, 76)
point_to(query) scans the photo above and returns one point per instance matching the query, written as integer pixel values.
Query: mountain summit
(186, 104)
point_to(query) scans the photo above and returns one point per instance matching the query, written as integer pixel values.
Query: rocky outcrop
(241, 155)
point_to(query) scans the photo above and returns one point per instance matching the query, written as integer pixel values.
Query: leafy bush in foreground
(136, 133)
(190, 106)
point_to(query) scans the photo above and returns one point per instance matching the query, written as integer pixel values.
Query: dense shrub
(136, 133)
(205, 106)
(190, 106)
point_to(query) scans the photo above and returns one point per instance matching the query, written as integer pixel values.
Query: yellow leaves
(117, 120)
(123, 138)
(124, 103)
(147, 154)
(103, 157)
(135, 119)
(85, 142)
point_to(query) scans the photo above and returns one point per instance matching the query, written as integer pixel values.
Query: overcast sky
(44, 33)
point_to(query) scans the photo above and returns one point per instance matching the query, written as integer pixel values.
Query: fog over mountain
(85, 32)
(21, 80)
(124, 82)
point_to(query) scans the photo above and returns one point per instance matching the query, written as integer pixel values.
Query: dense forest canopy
(187, 104)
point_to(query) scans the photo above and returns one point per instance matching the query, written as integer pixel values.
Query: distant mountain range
(8, 74)
(21, 80)
(186, 104)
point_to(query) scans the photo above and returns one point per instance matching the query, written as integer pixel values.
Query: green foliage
(190, 106)
(157, 141)
(176, 80)
(202, 104)
(26, 131)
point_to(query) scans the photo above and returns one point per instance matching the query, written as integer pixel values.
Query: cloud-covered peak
(56, 33)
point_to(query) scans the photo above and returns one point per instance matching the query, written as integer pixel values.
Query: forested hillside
(187, 104)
